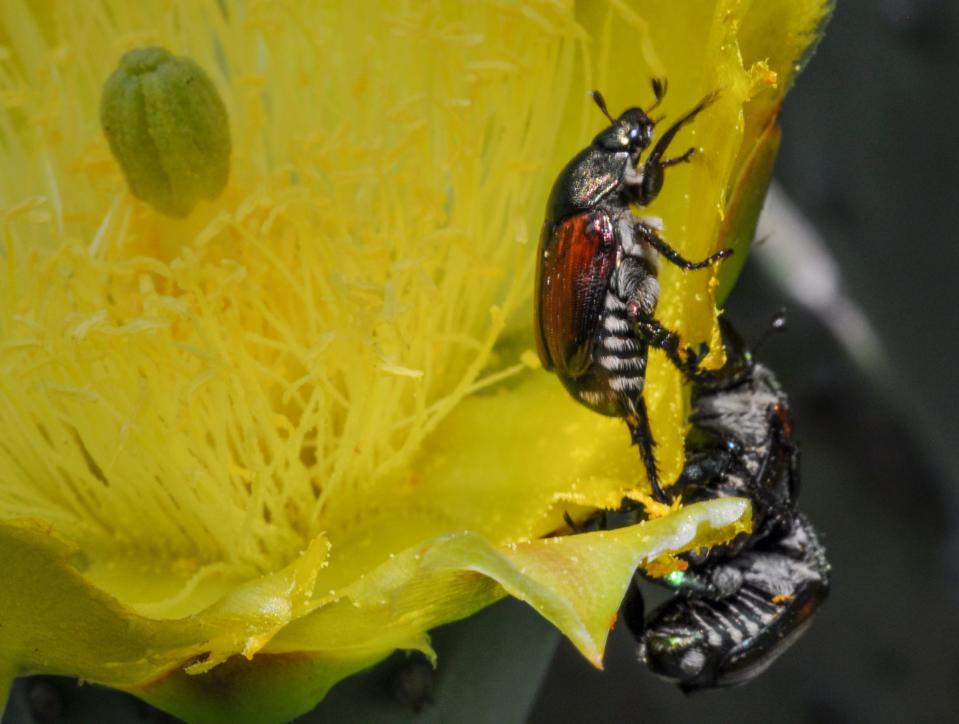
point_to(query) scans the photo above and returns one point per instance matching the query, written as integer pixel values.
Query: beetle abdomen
(615, 369)
(618, 362)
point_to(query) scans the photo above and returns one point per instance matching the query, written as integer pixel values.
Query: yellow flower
(248, 452)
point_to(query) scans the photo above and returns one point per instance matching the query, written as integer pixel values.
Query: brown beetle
(596, 283)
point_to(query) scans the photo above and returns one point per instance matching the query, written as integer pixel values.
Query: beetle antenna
(601, 102)
(777, 324)
(659, 90)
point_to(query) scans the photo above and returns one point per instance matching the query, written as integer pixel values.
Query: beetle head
(631, 132)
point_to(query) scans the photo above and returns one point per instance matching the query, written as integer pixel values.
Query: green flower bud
(167, 127)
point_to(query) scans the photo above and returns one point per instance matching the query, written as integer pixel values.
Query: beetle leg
(646, 233)
(779, 442)
(654, 167)
(679, 159)
(642, 436)
(656, 335)
(660, 148)
(643, 186)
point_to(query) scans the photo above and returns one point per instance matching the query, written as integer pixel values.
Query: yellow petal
(776, 41)
(577, 583)
(387, 589)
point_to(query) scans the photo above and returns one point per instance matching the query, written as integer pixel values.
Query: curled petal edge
(302, 643)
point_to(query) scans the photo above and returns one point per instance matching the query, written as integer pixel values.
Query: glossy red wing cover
(576, 258)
